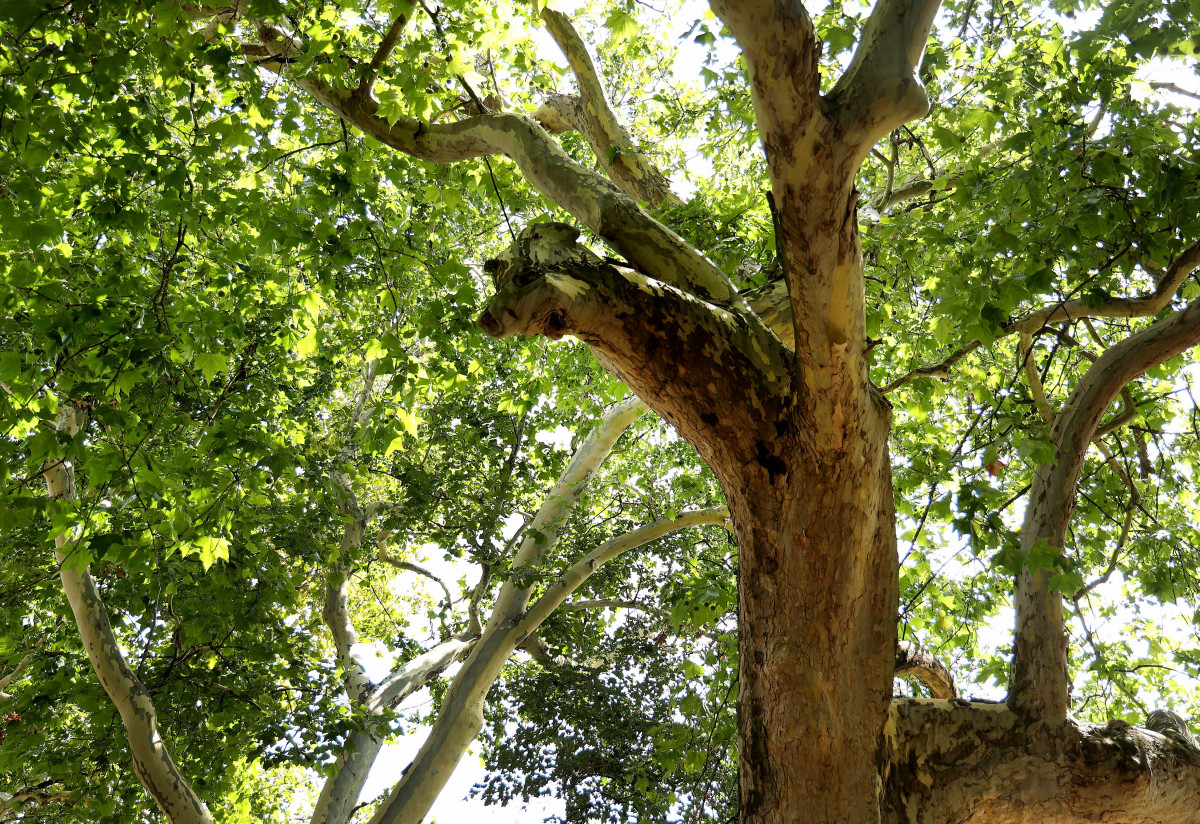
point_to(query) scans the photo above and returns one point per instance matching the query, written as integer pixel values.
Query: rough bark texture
(951, 761)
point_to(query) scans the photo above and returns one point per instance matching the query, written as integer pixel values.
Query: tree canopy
(260, 264)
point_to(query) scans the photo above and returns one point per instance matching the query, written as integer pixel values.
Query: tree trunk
(817, 567)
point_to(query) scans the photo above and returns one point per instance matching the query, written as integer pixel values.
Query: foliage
(207, 264)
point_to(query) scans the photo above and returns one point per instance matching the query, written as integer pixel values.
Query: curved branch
(461, 716)
(880, 90)
(590, 197)
(914, 661)
(152, 760)
(1145, 306)
(590, 114)
(1039, 681)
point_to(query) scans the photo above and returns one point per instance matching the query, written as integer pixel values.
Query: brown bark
(809, 489)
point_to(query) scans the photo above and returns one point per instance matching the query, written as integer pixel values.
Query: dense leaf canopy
(260, 311)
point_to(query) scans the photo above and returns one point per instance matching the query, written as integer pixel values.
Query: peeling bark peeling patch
(569, 286)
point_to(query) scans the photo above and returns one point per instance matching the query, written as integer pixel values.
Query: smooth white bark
(152, 759)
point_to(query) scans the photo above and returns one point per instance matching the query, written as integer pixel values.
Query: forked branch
(590, 114)
(880, 90)
(1038, 689)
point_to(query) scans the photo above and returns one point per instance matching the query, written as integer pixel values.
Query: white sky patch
(560, 438)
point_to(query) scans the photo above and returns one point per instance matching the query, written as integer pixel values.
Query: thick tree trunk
(817, 566)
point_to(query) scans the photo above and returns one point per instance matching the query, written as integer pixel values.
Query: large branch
(591, 115)
(780, 46)
(336, 610)
(152, 760)
(1039, 683)
(718, 379)
(587, 195)
(954, 762)
(880, 90)
(339, 796)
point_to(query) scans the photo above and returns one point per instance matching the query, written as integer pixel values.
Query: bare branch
(626, 165)
(417, 568)
(936, 370)
(152, 760)
(339, 795)
(915, 661)
(461, 716)
(1138, 307)
(583, 569)
(1175, 88)
(336, 609)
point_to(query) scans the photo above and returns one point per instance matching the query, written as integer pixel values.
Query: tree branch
(151, 759)
(386, 47)
(583, 569)
(339, 795)
(626, 165)
(691, 356)
(880, 90)
(461, 716)
(1145, 306)
(1039, 683)
(915, 661)
(20, 668)
(590, 197)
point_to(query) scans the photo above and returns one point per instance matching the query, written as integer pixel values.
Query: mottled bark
(810, 493)
(957, 762)
(1039, 685)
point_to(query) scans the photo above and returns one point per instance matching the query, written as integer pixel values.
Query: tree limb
(957, 761)
(461, 716)
(20, 668)
(590, 197)
(1039, 683)
(386, 46)
(583, 569)
(339, 795)
(914, 661)
(626, 165)
(1144, 306)
(880, 90)
(151, 759)
(548, 284)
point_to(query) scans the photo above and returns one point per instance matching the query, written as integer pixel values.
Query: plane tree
(938, 244)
